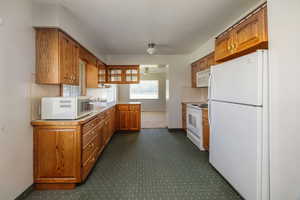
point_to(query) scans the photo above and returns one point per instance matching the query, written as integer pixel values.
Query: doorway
(151, 92)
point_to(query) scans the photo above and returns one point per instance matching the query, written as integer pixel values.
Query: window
(146, 89)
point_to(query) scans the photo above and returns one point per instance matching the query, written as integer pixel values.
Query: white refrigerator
(239, 125)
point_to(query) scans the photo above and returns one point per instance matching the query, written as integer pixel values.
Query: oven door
(194, 121)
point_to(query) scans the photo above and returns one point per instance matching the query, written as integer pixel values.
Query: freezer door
(239, 80)
(236, 146)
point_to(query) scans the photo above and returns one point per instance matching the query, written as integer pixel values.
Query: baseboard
(25, 194)
(176, 130)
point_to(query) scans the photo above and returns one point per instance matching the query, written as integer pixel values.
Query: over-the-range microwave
(65, 107)
(202, 78)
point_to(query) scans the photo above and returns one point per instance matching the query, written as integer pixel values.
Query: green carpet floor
(154, 164)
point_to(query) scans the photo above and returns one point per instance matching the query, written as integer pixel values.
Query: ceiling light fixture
(151, 48)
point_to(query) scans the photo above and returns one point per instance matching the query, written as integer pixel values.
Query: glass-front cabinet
(123, 74)
(132, 75)
(102, 73)
(114, 75)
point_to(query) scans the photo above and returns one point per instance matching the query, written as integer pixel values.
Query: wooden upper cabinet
(56, 57)
(115, 74)
(87, 56)
(132, 74)
(251, 32)
(47, 56)
(248, 35)
(76, 63)
(102, 72)
(123, 74)
(194, 70)
(202, 64)
(91, 76)
(210, 59)
(223, 46)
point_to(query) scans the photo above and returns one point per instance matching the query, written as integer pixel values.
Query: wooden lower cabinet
(65, 153)
(129, 117)
(183, 107)
(205, 126)
(57, 154)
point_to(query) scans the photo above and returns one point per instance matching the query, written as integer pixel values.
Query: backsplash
(194, 95)
(103, 94)
(37, 92)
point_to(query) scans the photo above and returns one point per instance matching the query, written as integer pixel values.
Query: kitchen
(25, 86)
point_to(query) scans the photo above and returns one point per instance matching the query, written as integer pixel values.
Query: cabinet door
(205, 135)
(123, 120)
(114, 120)
(56, 155)
(66, 59)
(211, 59)
(91, 76)
(132, 74)
(102, 73)
(47, 56)
(202, 64)
(183, 116)
(106, 131)
(251, 32)
(223, 46)
(134, 120)
(75, 64)
(115, 75)
(205, 128)
(194, 76)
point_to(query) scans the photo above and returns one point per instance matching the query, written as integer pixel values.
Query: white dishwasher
(194, 125)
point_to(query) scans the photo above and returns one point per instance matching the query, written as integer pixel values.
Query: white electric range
(194, 124)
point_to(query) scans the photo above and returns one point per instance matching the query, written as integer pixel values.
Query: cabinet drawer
(90, 125)
(88, 165)
(101, 117)
(123, 107)
(88, 137)
(90, 148)
(110, 111)
(134, 107)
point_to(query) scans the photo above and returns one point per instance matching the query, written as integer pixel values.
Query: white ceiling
(179, 26)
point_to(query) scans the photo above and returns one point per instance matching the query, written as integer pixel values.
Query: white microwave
(202, 78)
(65, 107)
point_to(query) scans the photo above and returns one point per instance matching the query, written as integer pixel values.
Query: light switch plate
(1, 21)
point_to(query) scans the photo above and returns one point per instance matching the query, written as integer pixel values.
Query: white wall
(284, 32)
(153, 105)
(209, 45)
(55, 15)
(17, 59)
(178, 72)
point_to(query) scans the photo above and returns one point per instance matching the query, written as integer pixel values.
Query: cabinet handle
(229, 47)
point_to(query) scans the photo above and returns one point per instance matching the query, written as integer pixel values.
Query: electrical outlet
(1, 21)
